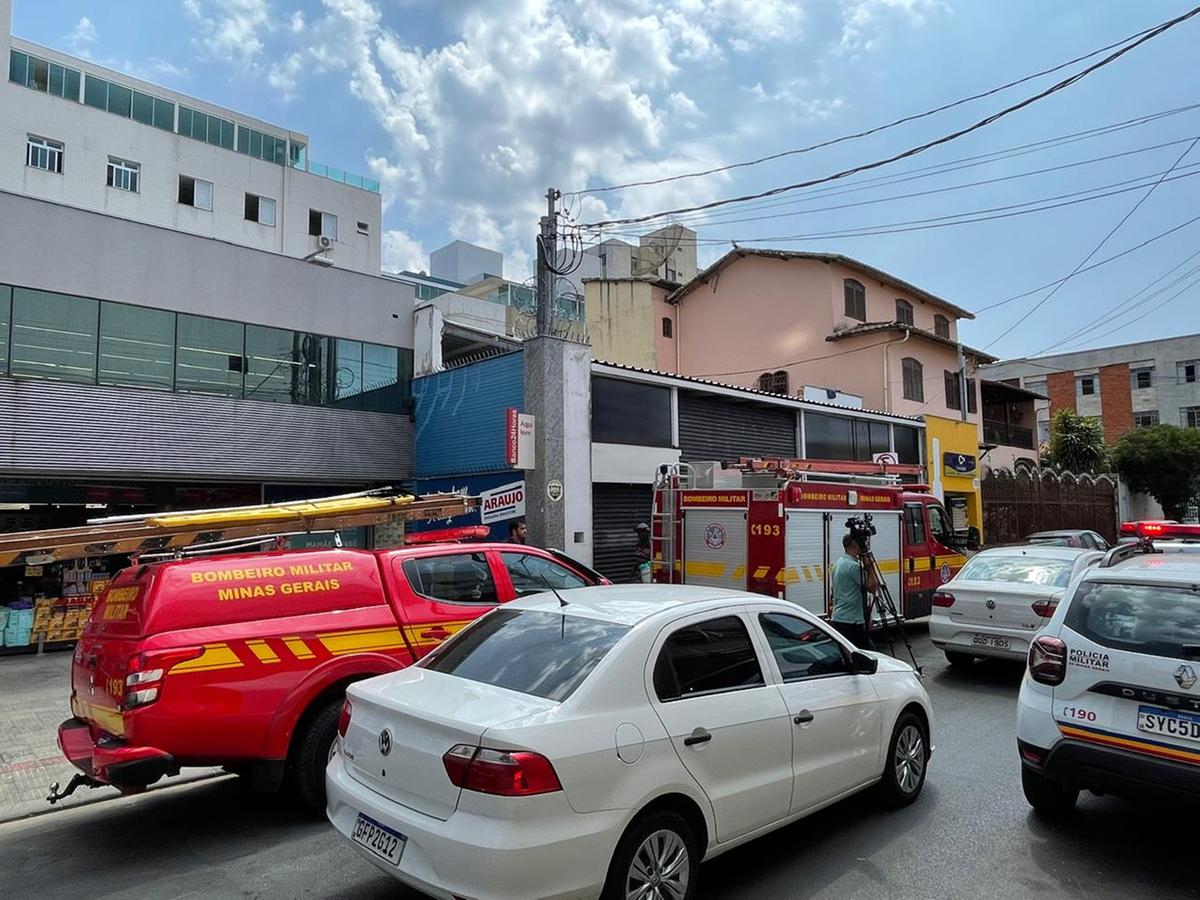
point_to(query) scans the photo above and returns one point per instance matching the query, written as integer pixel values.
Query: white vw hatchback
(605, 743)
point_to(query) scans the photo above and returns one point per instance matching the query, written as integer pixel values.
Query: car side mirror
(862, 664)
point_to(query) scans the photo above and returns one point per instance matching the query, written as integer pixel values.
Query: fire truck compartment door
(889, 555)
(805, 560)
(714, 547)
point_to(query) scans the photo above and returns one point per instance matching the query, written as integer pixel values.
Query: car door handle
(436, 633)
(699, 736)
(803, 718)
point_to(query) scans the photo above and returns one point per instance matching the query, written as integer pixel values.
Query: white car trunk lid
(423, 714)
(998, 603)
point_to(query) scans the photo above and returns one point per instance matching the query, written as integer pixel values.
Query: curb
(35, 809)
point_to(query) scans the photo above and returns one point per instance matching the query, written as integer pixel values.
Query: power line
(861, 134)
(1150, 311)
(796, 362)
(921, 148)
(1095, 250)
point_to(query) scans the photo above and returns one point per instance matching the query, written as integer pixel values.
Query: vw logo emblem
(1185, 676)
(990, 604)
(385, 742)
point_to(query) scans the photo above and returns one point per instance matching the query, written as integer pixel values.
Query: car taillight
(145, 673)
(504, 773)
(1045, 608)
(1048, 660)
(344, 718)
(942, 599)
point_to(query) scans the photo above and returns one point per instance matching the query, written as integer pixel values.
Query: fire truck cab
(776, 529)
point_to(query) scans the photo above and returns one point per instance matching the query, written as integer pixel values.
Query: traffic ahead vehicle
(242, 661)
(1111, 698)
(1000, 598)
(606, 741)
(1084, 538)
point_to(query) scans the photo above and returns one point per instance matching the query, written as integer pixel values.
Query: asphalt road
(969, 835)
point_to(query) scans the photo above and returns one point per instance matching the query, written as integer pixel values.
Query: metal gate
(616, 511)
(714, 547)
(1016, 504)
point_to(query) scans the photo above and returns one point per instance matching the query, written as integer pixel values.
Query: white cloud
(402, 252)
(82, 34)
(297, 22)
(684, 109)
(231, 29)
(796, 95)
(863, 20)
(284, 75)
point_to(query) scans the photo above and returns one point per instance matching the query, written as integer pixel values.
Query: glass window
(243, 139)
(381, 366)
(137, 346)
(1141, 378)
(71, 85)
(18, 66)
(628, 412)
(297, 156)
(39, 74)
(185, 121)
(700, 659)
(856, 299)
(1019, 569)
(772, 382)
(939, 524)
(666, 327)
(1188, 371)
(322, 224)
(828, 437)
(1146, 419)
(545, 654)
(914, 379)
(195, 192)
(57, 79)
(801, 649)
(907, 443)
(1086, 385)
(941, 327)
(120, 100)
(255, 142)
(95, 92)
(1151, 619)
(214, 131)
(452, 578)
(5, 323)
(953, 390)
(914, 523)
(209, 357)
(347, 368)
(904, 312)
(1189, 417)
(54, 336)
(532, 574)
(143, 108)
(879, 441)
(123, 174)
(164, 115)
(43, 154)
(285, 366)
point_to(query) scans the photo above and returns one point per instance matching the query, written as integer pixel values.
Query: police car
(1111, 696)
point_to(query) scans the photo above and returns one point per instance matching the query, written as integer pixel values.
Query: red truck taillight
(147, 670)
(503, 773)
(1048, 661)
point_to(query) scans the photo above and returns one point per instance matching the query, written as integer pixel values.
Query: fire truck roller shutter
(616, 511)
(804, 559)
(889, 554)
(714, 547)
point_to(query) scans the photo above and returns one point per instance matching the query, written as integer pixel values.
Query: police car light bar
(1160, 529)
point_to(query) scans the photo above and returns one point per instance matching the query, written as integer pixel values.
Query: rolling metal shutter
(716, 428)
(805, 559)
(714, 547)
(616, 511)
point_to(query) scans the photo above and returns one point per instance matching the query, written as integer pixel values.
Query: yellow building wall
(953, 436)
(621, 322)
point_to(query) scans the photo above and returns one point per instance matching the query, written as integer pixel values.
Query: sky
(468, 110)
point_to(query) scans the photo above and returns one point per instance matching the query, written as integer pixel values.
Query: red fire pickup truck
(242, 661)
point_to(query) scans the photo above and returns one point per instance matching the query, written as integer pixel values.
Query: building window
(124, 175)
(856, 300)
(828, 437)
(364, 228)
(195, 192)
(137, 346)
(941, 326)
(5, 322)
(54, 336)
(1188, 371)
(262, 146)
(907, 442)
(772, 382)
(629, 412)
(1141, 378)
(260, 210)
(1086, 385)
(203, 127)
(286, 366)
(972, 402)
(44, 154)
(1189, 416)
(210, 356)
(297, 155)
(904, 312)
(953, 390)
(40, 75)
(667, 327)
(1043, 431)
(914, 379)
(322, 224)
(1146, 419)
(1037, 385)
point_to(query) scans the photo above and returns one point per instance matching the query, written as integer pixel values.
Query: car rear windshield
(1159, 621)
(545, 654)
(1019, 570)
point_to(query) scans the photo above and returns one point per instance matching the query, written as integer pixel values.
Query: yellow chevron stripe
(215, 656)
(921, 564)
(889, 566)
(738, 574)
(263, 651)
(299, 649)
(788, 575)
(761, 572)
(706, 569)
(359, 641)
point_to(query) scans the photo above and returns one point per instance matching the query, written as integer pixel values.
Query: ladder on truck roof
(669, 480)
(174, 531)
(803, 470)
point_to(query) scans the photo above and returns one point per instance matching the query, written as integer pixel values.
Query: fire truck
(775, 527)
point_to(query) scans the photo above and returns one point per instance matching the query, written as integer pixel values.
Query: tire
(959, 660)
(907, 761)
(310, 756)
(1048, 798)
(645, 839)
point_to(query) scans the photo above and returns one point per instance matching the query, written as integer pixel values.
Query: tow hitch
(80, 780)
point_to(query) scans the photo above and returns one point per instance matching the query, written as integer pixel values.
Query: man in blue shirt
(849, 579)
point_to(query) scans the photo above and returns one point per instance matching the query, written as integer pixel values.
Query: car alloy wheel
(660, 868)
(909, 759)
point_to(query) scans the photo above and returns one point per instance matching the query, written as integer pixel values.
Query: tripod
(889, 615)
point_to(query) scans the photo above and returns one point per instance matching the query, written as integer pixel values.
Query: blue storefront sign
(959, 463)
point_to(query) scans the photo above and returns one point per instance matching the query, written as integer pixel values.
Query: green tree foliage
(1076, 443)
(1162, 461)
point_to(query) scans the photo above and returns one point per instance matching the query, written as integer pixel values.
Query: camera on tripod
(861, 529)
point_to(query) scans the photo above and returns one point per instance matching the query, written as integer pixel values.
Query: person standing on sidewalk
(852, 584)
(641, 555)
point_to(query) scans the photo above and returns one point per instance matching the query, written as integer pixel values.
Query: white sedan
(605, 743)
(1001, 598)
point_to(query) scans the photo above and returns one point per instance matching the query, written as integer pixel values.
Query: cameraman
(849, 604)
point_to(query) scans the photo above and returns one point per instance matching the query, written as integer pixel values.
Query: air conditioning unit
(324, 242)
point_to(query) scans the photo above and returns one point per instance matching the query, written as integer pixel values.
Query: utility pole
(547, 250)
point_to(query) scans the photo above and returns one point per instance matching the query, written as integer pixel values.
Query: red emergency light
(1160, 529)
(448, 535)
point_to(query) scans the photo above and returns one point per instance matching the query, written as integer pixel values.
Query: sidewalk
(35, 694)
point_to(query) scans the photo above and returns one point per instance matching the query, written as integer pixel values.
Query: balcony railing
(341, 175)
(1008, 435)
